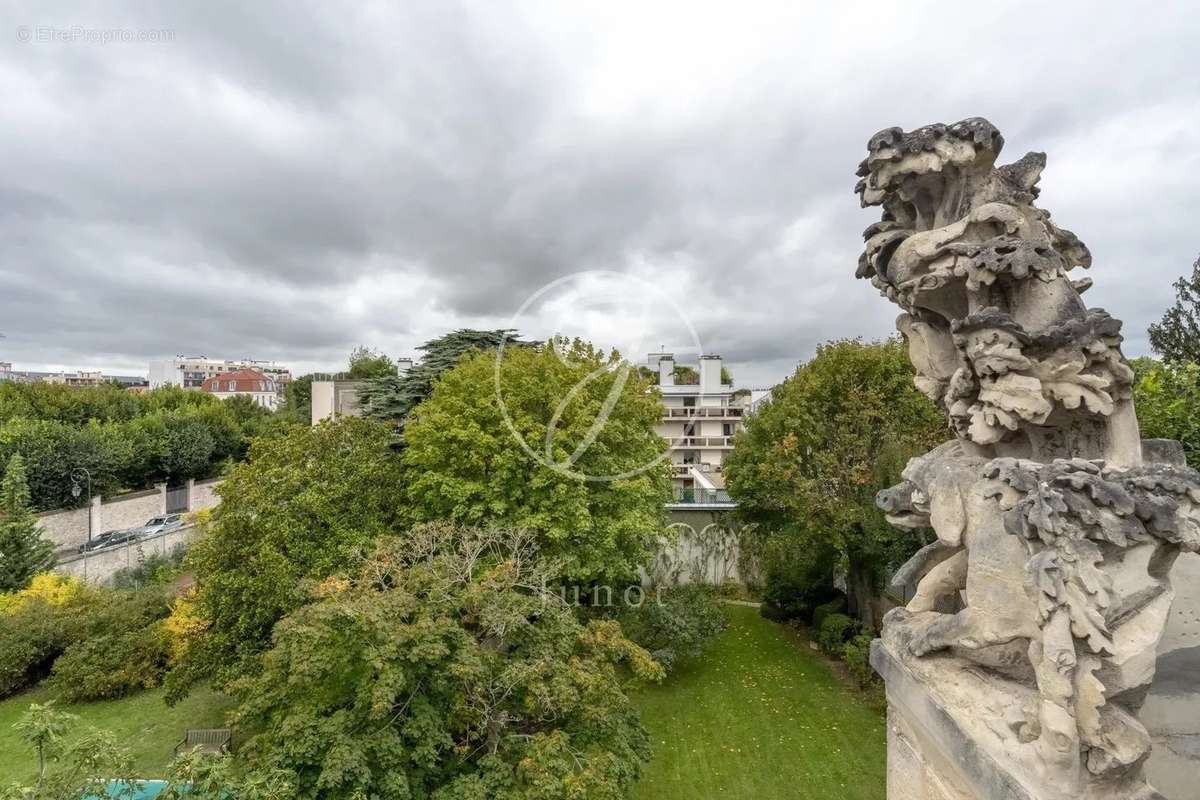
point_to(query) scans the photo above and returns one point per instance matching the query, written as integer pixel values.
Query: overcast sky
(286, 181)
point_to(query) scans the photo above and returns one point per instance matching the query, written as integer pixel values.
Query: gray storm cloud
(286, 180)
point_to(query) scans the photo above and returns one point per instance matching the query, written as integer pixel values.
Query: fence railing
(701, 496)
(702, 411)
(701, 441)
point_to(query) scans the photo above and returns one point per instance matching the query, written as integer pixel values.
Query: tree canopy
(125, 441)
(600, 508)
(1176, 337)
(1167, 398)
(443, 669)
(808, 465)
(367, 363)
(301, 508)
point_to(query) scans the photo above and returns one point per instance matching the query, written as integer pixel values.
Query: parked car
(157, 525)
(110, 539)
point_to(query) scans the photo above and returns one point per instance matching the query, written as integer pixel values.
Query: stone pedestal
(949, 740)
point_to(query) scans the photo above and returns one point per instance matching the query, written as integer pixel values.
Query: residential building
(335, 396)
(88, 377)
(757, 398)
(244, 382)
(82, 377)
(701, 415)
(190, 372)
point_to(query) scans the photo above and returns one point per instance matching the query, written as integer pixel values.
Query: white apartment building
(191, 372)
(701, 414)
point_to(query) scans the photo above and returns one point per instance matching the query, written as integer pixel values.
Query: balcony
(704, 412)
(702, 497)
(700, 442)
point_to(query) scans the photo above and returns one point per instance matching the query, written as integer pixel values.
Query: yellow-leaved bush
(51, 588)
(182, 626)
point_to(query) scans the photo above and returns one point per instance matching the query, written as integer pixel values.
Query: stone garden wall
(100, 566)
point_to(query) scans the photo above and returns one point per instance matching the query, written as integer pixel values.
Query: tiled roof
(240, 381)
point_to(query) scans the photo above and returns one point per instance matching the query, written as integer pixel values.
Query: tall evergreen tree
(1176, 337)
(392, 397)
(23, 551)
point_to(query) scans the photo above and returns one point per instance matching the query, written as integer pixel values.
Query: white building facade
(701, 415)
(190, 372)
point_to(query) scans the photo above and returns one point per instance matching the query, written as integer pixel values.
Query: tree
(299, 510)
(445, 669)
(125, 441)
(23, 551)
(393, 397)
(1167, 398)
(94, 765)
(1176, 337)
(97, 765)
(367, 363)
(809, 463)
(43, 727)
(469, 461)
(298, 403)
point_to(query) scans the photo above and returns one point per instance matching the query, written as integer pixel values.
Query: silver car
(167, 522)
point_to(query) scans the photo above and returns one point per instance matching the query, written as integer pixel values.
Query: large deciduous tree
(23, 551)
(1167, 398)
(809, 463)
(573, 454)
(444, 669)
(300, 509)
(1176, 337)
(367, 363)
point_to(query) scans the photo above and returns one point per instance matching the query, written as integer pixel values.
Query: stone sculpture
(1039, 607)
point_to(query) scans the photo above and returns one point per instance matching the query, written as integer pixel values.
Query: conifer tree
(23, 551)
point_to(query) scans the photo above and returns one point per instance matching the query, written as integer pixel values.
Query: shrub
(821, 612)
(155, 569)
(111, 665)
(117, 647)
(834, 632)
(796, 580)
(675, 623)
(48, 587)
(182, 627)
(94, 642)
(857, 655)
(31, 638)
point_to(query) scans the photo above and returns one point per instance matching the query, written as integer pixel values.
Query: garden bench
(207, 740)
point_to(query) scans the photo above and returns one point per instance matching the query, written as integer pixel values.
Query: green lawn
(760, 716)
(143, 722)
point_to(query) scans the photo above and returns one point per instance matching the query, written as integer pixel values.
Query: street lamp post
(77, 476)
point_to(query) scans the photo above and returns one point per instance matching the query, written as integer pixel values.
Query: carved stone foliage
(1000, 336)
(1054, 536)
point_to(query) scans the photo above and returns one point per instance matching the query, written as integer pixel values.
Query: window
(233, 386)
(689, 402)
(727, 429)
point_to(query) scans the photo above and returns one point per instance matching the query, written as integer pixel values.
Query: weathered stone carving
(1055, 535)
